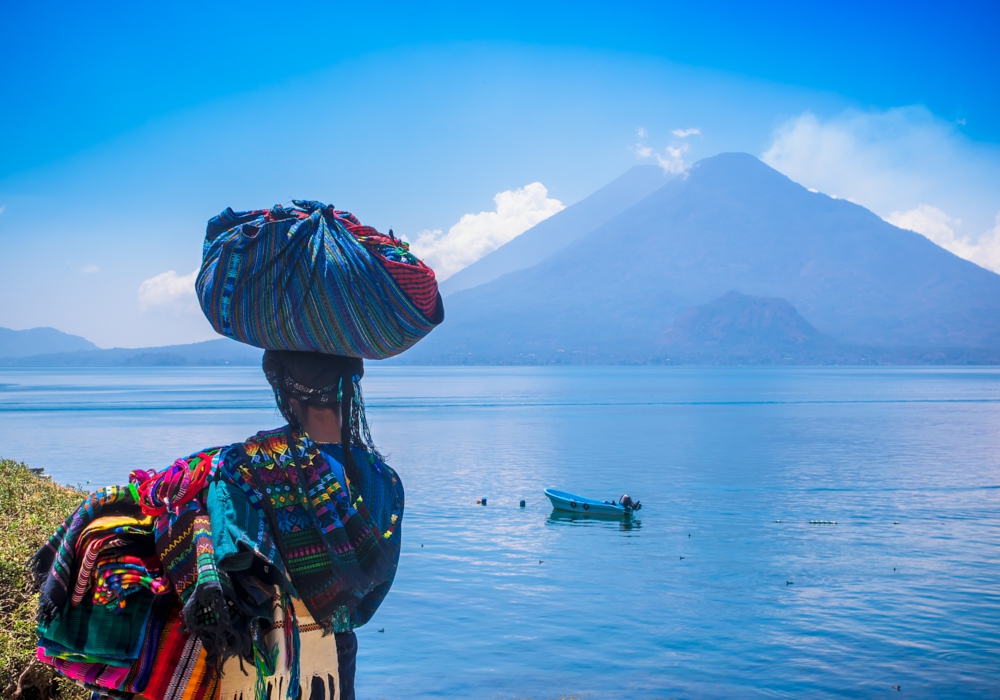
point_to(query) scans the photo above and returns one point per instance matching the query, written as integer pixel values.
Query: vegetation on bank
(31, 508)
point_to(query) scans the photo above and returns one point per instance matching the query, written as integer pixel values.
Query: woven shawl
(101, 676)
(334, 551)
(182, 670)
(52, 566)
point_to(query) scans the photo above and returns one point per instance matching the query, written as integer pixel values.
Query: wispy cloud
(940, 228)
(90, 269)
(672, 157)
(169, 290)
(2, 207)
(909, 167)
(672, 160)
(475, 235)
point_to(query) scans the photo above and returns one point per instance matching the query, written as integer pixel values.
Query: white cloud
(642, 132)
(475, 235)
(90, 269)
(684, 133)
(643, 151)
(940, 228)
(904, 164)
(672, 160)
(169, 290)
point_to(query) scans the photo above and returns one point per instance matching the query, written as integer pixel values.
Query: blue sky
(125, 126)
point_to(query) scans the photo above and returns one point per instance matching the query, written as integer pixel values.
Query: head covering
(317, 379)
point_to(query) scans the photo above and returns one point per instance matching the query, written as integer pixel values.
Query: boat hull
(571, 503)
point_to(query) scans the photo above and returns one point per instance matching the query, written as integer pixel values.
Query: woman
(225, 575)
(338, 546)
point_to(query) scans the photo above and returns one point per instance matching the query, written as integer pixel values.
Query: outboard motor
(628, 504)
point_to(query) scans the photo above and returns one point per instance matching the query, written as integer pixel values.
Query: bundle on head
(319, 380)
(313, 278)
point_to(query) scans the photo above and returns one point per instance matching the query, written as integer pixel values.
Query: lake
(720, 587)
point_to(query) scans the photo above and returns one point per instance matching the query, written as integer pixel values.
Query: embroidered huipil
(338, 547)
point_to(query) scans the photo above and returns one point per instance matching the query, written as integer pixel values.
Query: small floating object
(522, 504)
(481, 501)
(822, 522)
(571, 503)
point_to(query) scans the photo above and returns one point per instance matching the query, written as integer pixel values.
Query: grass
(31, 508)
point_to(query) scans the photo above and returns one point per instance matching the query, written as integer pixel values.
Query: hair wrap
(324, 381)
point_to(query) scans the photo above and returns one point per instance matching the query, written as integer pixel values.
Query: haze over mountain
(560, 230)
(57, 349)
(35, 341)
(731, 223)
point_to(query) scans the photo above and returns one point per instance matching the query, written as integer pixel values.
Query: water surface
(721, 588)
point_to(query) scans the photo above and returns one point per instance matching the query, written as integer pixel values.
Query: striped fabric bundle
(312, 278)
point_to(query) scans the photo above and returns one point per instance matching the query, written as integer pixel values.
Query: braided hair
(316, 379)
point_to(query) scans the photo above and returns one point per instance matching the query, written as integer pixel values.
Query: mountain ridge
(561, 229)
(34, 341)
(208, 353)
(731, 223)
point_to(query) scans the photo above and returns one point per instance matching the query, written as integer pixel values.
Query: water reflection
(617, 522)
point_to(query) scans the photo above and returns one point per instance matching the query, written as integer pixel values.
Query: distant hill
(737, 327)
(208, 353)
(35, 341)
(732, 223)
(560, 230)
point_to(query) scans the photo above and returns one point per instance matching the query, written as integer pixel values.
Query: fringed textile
(53, 564)
(297, 658)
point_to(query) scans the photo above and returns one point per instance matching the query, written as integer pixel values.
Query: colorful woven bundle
(53, 565)
(314, 279)
(152, 588)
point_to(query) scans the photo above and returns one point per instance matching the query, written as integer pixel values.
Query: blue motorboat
(571, 503)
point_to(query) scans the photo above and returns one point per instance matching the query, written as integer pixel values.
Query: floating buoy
(522, 504)
(481, 501)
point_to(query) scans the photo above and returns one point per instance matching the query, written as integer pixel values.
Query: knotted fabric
(312, 278)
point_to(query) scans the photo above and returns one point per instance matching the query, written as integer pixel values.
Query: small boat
(571, 503)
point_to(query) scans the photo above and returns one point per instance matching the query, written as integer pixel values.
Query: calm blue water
(707, 594)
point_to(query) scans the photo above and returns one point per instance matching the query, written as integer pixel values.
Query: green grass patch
(31, 508)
